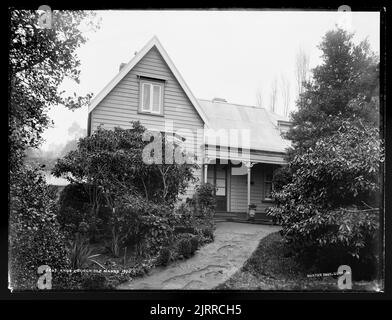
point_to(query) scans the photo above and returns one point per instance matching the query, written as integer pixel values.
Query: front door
(217, 177)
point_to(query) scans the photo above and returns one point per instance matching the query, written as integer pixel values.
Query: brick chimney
(122, 65)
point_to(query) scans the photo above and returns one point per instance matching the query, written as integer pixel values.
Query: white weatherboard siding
(238, 190)
(121, 105)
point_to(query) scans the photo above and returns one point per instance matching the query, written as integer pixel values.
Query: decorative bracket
(249, 164)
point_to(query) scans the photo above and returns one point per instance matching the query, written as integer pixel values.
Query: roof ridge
(237, 104)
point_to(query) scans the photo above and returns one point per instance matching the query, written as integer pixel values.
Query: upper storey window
(151, 97)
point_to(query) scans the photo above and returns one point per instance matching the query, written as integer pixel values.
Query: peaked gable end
(122, 104)
(153, 61)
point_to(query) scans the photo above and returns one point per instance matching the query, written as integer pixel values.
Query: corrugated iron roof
(264, 132)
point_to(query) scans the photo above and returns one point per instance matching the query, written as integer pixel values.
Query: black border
(147, 298)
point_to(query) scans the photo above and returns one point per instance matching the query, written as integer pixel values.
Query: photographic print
(195, 150)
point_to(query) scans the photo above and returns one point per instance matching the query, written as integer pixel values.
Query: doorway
(217, 176)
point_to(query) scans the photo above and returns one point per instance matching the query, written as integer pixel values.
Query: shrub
(73, 195)
(115, 279)
(79, 251)
(329, 238)
(324, 208)
(35, 238)
(74, 208)
(139, 195)
(205, 199)
(194, 243)
(97, 281)
(185, 247)
(208, 233)
(183, 229)
(54, 192)
(145, 224)
(185, 215)
(164, 256)
(281, 177)
(155, 232)
(94, 281)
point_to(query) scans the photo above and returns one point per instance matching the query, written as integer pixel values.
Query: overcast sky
(226, 54)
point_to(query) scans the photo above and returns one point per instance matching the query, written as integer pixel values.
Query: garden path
(211, 265)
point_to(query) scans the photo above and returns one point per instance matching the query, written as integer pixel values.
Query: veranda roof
(262, 124)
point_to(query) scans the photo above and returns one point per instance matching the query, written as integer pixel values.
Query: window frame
(214, 178)
(151, 83)
(265, 182)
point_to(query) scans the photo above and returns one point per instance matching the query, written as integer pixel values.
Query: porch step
(242, 218)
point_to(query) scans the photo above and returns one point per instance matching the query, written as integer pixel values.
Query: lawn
(273, 267)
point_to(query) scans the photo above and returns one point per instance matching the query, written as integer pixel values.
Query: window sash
(151, 99)
(267, 190)
(268, 185)
(156, 100)
(220, 191)
(146, 97)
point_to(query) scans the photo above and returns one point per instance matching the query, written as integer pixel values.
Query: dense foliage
(328, 196)
(341, 169)
(74, 210)
(204, 199)
(139, 196)
(113, 192)
(164, 256)
(79, 251)
(281, 177)
(39, 61)
(346, 83)
(144, 224)
(331, 182)
(35, 238)
(113, 161)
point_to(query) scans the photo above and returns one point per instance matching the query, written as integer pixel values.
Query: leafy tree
(110, 163)
(281, 177)
(301, 69)
(345, 84)
(113, 161)
(39, 60)
(331, 200)
(328, 207)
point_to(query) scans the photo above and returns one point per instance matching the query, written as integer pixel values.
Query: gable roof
(128, 67)
(263, 124)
